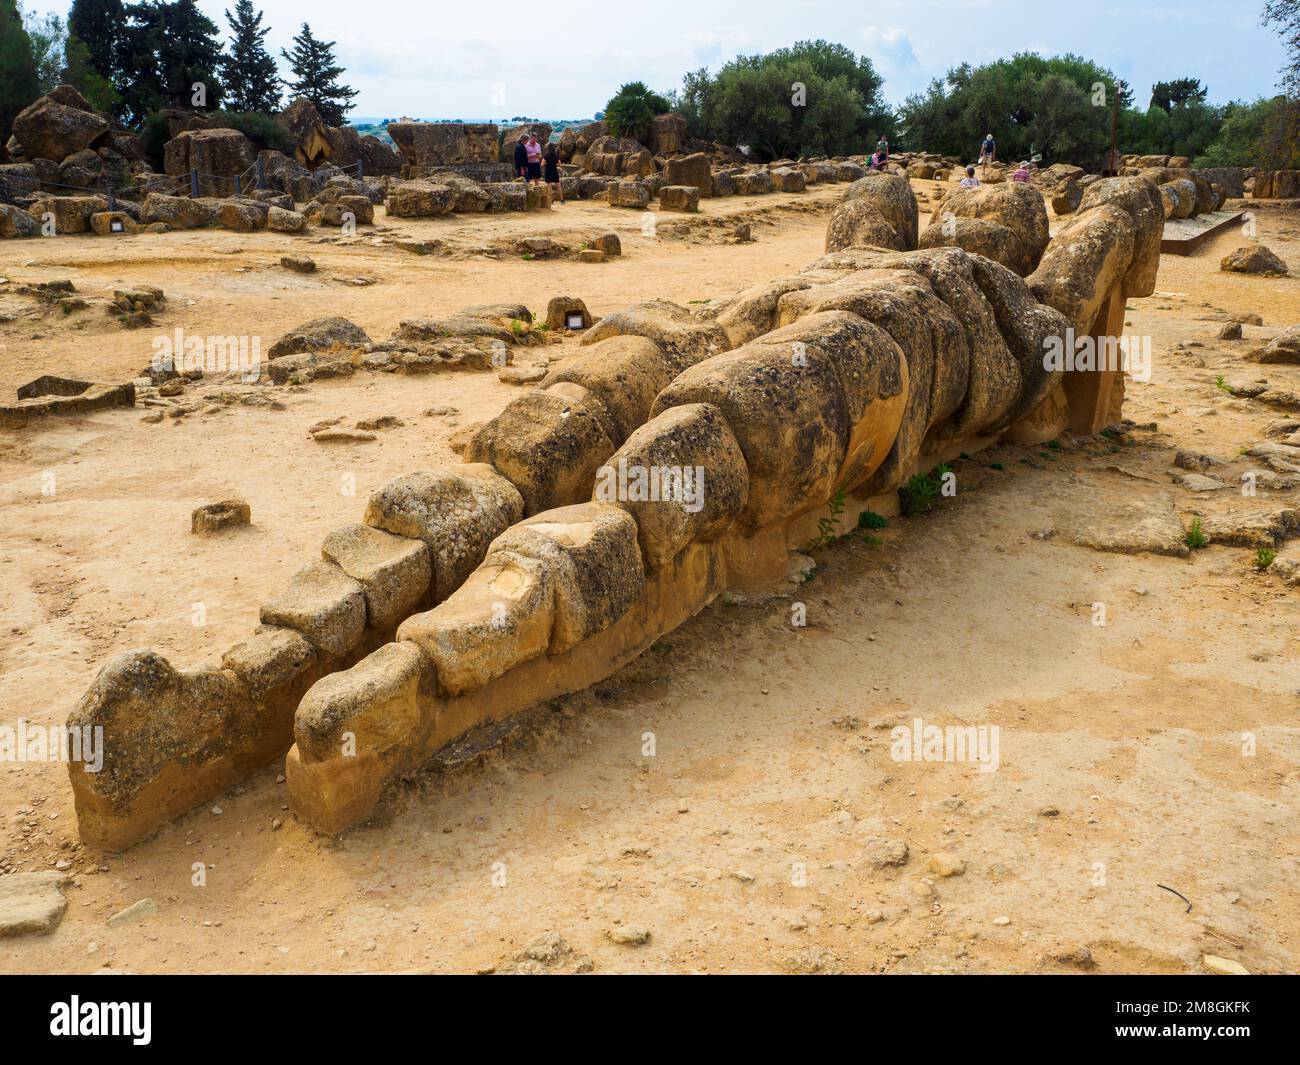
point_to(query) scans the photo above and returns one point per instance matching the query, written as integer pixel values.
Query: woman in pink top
(534, 151)
(1022, 173)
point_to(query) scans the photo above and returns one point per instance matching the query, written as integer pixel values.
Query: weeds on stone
(1196, 538)
(1264, 558)
(917, 496)
(1222, 385)
(826, 526)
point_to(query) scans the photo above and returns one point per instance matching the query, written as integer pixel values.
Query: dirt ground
(758, 835)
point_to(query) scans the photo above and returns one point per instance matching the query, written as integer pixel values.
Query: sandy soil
(751, 839)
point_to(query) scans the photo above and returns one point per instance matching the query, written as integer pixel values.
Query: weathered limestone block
(240, 217)
(559, 309)
(858, 223)
(788, 415)
(57, 125)
(1088, 256)
(682, 476)
(456, 511)
(691, 170)
(993, 385)
(179, 212)
(548, 444)
(501, 616)
(902, 303)
(324, 604)
(280, 220)
(751, 312)
(15, 222)
(271, 658)
(71, 214)
(893, 198)
(978, 236)
(319, 334)
(1030, 330)
(170, 738)
(682, 337)
(679, 198)
(372, 706)
(625, 373)
(788, 179)
(419, 199)
(445, 143)
(753, 182)
(1141, 199)
(112, 223)
(595, 562)
(873, 376)
(1016, 206)
(394, 571)
(630, 194)
(332, 791)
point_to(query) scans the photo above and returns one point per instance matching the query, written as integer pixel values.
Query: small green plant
(528, 257)
(1196, 538)
(1222, 385)
(1055, 445)
(826, 526)
(917, 496)
(869, 519)
(995, 466)
(1264, 558)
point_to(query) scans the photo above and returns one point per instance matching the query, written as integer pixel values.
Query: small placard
(115, 226)
(573, 320)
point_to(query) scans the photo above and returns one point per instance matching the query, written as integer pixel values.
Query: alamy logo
(53, 743)
(1075, 354)
(211, 354)
(920, 742)
(103, 1018)
(635, 483)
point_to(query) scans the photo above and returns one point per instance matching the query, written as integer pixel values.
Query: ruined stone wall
(531, 570)
(425, 144)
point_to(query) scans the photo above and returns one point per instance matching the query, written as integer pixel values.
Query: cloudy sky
(564, 59)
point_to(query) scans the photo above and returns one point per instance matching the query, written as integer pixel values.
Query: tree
(79, 72)
(1058, 107)
(18, 76)
(1285, 15)
(631, 110)
(813, 98)
(316, 77)
(252, 79)
(1167, 95)
(99, 25)
(191, 56)
(49, 39)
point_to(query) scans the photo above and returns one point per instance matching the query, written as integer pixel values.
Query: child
(551, 159)
(970, 181)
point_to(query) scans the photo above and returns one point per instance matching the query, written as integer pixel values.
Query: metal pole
(261, 172)
(112, 200)
(361, 168)
(194, 183)
(237, 188)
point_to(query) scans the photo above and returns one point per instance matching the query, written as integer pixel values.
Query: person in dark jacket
(551, 168)
(521, 159)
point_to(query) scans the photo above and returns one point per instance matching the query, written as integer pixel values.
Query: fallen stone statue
(472, 592)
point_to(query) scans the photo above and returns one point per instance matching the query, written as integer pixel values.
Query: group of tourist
(534, 164)
(987, 154)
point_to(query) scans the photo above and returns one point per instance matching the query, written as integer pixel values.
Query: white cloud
(891, 46)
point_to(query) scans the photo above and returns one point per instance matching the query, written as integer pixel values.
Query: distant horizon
(402, 61)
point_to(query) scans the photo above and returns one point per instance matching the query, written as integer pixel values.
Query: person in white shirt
(970, 181)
